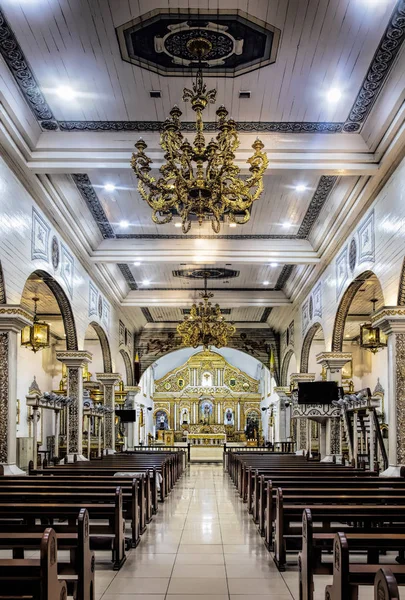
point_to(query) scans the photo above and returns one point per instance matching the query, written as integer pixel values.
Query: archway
(313, 332)
(3, 298)
(401, 288)
(343, 309)
(129, 374)
(105, 346)
(285, 367)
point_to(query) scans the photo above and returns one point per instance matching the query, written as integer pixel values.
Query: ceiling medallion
(200, 181)
(205, 326)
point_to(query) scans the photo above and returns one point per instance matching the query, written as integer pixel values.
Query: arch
(284, 367)
(401, 288)
(343, 309)
(128, 367)
(3, 298)
(306, 346)
(105, 346)
(64, 307)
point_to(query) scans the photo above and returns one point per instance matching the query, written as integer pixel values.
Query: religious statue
(229, 420)
(206, 412)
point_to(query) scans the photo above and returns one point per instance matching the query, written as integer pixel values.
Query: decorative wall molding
(40, 232)
(147, 315)
(306, 346)
(384, 58)
(284, 367)
(342, 274)
(366, 237)
(401, 288)
(89, 195)
(121, 333)
(4, 395)
(283, 277)
(319, 198)
(157, 236)
(67, 268)
(317, 300)
(93, 296)
(305, 316)
(128, 367)
(105, 346)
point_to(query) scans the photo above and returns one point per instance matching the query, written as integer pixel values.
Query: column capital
(282, 391)
(334, 361)
(391, 319)
(108, 378)
(74, 358)
(301, 377)
(14, 317)
(134, 389)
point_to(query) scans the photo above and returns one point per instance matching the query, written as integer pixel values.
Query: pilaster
(74, 360)
(108, 381)
(12, 319)
(132, 392)
(303, 437)
(391, 319)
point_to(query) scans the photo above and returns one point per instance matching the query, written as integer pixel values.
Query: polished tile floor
(202, 545)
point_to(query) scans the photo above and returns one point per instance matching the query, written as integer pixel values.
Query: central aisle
(202, 544)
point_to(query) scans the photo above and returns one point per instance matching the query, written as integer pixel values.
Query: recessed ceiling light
(244, 94)
(287, 225)
(301, 187)
(66, 93)
(274, 264)
(232, 224)
(155, 94)
(145, 282)
(177, 224)
(266, 282)
(334, 95)
(124, 224)
(109, 187)
(137, 264)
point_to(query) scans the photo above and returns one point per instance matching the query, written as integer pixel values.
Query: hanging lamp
(35, 337)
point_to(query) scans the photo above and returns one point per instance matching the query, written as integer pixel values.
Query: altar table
(206, 439)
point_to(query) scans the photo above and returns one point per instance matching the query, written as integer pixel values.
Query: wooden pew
(372, 541)
(82, 560)
(110, 535)
(385, 585)
(287, 516)
(348, 577)
(29, 578)
(47, 491)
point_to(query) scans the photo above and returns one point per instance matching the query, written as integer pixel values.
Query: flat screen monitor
(126, 415)
(317, 392)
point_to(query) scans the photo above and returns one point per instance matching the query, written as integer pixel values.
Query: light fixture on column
(205, 326)
(372, 338)
(199, 180)
(35, 336)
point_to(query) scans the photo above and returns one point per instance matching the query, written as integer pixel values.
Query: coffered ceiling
(325, 81)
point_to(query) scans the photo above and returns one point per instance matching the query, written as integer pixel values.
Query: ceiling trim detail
(146, 313)
(157, 236)
(266, 314)
(384, 58)
(129, 278)
(209, 126)
(379, 69)
(283, 277)
(322, 192)
(89, 195)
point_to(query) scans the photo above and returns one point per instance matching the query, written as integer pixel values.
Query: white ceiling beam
(241, 251)
(184, 298)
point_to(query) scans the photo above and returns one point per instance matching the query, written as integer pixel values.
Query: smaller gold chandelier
(205, 325)
(35, 336)
(372, 338)
(199, 180)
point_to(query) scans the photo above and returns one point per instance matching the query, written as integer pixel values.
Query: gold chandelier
(35, 336)
(199, 180)
(372, 338)
(205, 325)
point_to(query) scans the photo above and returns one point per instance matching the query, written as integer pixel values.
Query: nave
(201, 545)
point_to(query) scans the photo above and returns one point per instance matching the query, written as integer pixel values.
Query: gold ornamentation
(205, 326)
(35, 337)
(202, 179)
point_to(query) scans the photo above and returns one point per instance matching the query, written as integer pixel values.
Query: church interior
(202, 299)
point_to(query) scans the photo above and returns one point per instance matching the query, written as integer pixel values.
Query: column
(130, 403)
(302, 428)
(74, 360)
(391, 320)
(12, 319)
(281, 424)
(333, 363)
(108, 381)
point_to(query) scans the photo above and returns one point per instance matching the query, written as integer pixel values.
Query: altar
(206, 439)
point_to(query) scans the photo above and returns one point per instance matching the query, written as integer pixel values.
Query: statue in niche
(185, 416)
(252, 426)
(229, 419)
(207, 380)
(162, 421)
(206, 411)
